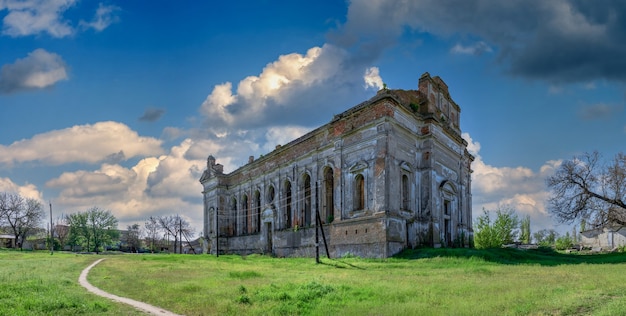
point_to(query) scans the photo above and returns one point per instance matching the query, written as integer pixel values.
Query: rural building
(390, 173)
(7, 241)
(608, 237)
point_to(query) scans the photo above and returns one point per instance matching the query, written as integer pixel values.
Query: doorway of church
(268, 237)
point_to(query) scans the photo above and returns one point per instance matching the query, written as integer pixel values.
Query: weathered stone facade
(390, 173)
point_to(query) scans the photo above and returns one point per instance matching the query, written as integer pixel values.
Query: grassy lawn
(420, 282)
(36, 283)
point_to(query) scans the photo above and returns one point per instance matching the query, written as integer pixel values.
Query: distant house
(606, 238)
(193, 246)
(7, 241)
(35, 244)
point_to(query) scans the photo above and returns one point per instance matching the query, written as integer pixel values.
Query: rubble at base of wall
(521, 246)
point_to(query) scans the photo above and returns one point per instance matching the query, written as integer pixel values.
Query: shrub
(563, 242)
(493, 235)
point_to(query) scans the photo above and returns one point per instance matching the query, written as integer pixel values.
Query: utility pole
(180, 229)
(319, 222)
(317, 225)
(51, 236)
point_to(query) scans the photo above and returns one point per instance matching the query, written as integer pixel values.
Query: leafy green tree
(546, 237)
(80, 235)
(503, 230)
(525, 236)
(93, 229)
(564, 242)
(484, 236)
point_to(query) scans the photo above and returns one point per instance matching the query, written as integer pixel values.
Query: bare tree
(133, 237)
(153, 230)
(583, 188)
(21, 215)
(177, 227)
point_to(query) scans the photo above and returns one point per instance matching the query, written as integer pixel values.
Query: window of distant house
(359, 192)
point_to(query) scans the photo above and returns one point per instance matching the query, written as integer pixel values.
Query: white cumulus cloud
(27, 190)
(255, 90)
(282, 135)
(278, 88)
(40, 69)
(158, 185)
(372, 78)
(32, 17)
(105, 16)
(81, 143)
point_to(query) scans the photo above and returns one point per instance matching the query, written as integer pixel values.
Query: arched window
(329, 196)
(406, 197)
(270, 194)
(288, 204)
(233, 218)
(246, 215)
(359, 192)
(307, 200)
(257, 211)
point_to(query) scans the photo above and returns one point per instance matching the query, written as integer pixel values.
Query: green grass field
(420, 282)
(37, 283)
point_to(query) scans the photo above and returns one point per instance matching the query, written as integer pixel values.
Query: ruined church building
(388, 174)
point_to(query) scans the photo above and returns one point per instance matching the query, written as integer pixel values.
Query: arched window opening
(246, 215)
(288, 205)
(270, 194)
(329, 196)
(307, 200)
(406, 205)
(257, 211)
(359, 192)
(233, 218)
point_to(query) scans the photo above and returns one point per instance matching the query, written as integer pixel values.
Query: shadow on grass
(341, 264)
(541, 256)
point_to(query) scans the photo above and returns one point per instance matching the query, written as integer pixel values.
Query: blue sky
(117, 104)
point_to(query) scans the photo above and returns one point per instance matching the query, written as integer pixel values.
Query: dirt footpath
(153, 310)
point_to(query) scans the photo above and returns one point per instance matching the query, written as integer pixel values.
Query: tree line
(585, 189)
(493, 229)
(92, 230)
